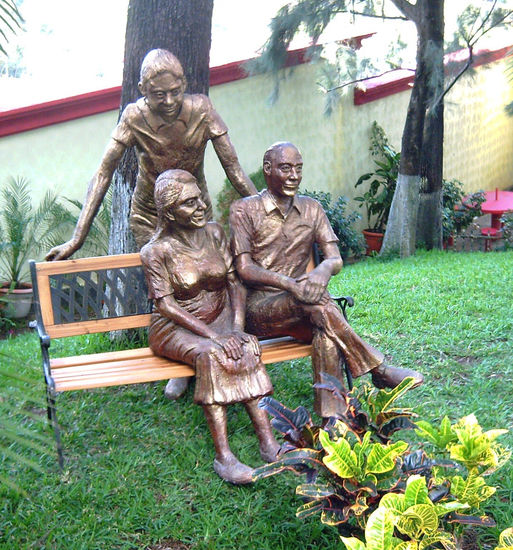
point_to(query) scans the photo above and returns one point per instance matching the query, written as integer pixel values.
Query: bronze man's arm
(96, 190)
(228, 158)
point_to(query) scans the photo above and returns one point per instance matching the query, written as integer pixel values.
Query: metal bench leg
(52, 417)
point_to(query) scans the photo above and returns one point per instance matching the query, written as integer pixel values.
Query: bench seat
(141, 365)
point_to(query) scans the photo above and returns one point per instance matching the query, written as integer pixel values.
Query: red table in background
(497, 202)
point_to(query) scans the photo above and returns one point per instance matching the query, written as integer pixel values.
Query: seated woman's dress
(197, 280)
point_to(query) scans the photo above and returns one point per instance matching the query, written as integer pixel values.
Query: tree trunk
(184, 28)
(429, 221)
(400, 235)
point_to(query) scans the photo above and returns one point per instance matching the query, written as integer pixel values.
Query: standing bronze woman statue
(199, 316)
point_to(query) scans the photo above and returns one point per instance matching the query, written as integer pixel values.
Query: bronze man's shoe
(385, 376)
(176, 387)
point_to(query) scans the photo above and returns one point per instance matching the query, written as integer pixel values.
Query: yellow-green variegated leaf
(340, 458)
(492, 435)
(379, 530)
(406, 545)
(309, 509)
(385, 398)
(394, 502)
(439, 437)
(416, 491)
(352, 543)
(472, 490)
(381, 458)
(444, 538)
(314, 490)
(417, 520)
(506, 539)
(444, 508)
(361, 450)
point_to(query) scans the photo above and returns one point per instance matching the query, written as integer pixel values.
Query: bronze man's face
(164, 95)
(189, 209)
(284, 171)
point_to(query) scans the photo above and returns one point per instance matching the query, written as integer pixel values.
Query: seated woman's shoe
(386, 376)
(233, 471)
(269, 453)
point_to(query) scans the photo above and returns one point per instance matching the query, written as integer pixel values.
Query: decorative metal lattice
(99, 294)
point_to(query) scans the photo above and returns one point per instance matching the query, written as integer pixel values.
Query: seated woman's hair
(168, 187)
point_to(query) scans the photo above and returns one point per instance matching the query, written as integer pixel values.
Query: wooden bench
(103, 294)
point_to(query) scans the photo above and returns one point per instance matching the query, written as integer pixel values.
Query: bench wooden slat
(136, 376)
(98, 325)
(88, 264)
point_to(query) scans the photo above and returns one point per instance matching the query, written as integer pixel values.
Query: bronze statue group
(213, 298)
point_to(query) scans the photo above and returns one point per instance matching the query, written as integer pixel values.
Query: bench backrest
(90, 295)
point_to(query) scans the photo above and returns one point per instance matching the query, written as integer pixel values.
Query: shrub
(368, 485)
(459, 209)
(228, 194)
(349, 240)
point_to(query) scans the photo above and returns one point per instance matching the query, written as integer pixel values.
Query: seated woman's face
(189, 209)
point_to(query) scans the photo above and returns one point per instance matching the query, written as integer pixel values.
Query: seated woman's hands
(232, 344)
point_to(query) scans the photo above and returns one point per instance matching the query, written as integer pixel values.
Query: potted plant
(458, 209)
(378, 197)
(24, 231)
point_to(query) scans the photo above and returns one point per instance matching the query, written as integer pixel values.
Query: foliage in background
(458, 214)
(507, 229)
(26, 230)
(349, 240)
(97, 240)
(378, 198)
(355, 473)
(10, 21)
(23, 441)
(228, 194)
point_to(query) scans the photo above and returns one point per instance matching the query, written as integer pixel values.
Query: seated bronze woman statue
(199, 316)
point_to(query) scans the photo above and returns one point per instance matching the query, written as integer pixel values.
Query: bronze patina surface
(199, 316)
(169, 130)
(272, 238)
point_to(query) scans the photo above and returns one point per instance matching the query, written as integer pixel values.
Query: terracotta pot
(16, 303)
(373, 241)
(448, 243)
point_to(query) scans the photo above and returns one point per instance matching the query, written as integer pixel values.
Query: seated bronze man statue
(272, 238)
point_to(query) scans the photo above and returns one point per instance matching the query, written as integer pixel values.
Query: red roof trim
(399, 81)
(70, 108)
(61, 110)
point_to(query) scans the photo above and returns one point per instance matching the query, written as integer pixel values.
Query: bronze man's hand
(62, 252)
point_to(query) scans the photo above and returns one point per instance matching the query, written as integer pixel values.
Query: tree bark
(429, 221)
(184, 28)
(418, 134)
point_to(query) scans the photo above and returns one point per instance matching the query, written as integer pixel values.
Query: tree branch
(382, 16)
(327, 91)
(409, 10)
(471, 42)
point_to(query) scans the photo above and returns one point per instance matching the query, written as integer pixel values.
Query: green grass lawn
(139, 468)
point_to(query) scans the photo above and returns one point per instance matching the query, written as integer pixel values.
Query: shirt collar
(270, 204)
(155, 121)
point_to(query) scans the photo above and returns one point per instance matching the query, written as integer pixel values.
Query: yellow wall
(478, 135)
